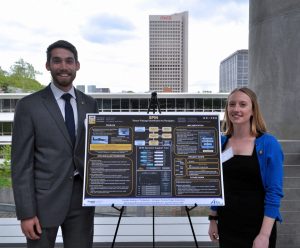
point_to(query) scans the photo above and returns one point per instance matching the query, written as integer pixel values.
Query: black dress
(241, 218)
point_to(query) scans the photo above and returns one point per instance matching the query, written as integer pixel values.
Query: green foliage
(3, 82)
(26, 84)
(23, 69)
(21, 77)
(5, 171)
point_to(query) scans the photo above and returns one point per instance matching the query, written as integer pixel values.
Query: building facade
(121, 102)
(114, 103)
(168, 41)
(234, 71)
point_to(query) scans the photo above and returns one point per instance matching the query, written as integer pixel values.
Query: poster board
(140, 159)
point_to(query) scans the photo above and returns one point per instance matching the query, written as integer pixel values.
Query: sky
(112, 37)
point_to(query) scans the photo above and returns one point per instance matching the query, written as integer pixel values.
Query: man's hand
(31, 228)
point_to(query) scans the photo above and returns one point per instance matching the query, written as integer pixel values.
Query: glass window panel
(224, 100)
(143, 105)
(217, 104)
(199, 104)
(125, 105)
(134, 105)
(6, 105)
(207, 104)
(116, 105)
(162, 104)
(107, 105)
(170, 105)
(14, 103)
(99, 102)
(180, 104)
(7, 128)
(190, 104)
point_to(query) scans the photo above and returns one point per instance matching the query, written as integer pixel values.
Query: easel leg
(191, 224)
(121, 210)
(153, 227)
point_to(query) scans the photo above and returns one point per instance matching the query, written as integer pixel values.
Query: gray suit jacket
(43, 159)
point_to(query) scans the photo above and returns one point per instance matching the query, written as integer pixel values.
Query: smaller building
(81, 88)
(92, 89)
(234, 71)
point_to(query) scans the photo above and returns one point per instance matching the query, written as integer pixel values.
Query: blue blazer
(270, 158)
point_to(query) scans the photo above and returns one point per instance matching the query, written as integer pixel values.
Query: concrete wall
(274, 74)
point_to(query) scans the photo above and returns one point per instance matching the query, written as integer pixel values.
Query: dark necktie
(69, 117)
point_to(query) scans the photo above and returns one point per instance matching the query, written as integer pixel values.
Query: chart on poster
(140, 159)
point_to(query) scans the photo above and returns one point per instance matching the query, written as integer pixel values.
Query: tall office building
(234, 71)
(168, 36)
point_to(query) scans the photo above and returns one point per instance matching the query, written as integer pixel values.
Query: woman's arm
(213, 227)
(262, 239)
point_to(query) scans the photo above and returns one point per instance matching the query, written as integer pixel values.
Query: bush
(5, 171)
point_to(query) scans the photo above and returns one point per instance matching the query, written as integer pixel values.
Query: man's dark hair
(62, 44)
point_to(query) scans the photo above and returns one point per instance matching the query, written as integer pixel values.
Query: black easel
(187, 209)
(121, 210)
(153, 227)
(153, 104)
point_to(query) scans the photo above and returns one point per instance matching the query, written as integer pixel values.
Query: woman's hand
(213, 231)
(261, 241)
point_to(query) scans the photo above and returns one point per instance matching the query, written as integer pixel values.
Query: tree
(23, 69)
(21, 76)
(3, 83)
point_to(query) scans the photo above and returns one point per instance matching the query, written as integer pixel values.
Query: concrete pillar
(274, 74)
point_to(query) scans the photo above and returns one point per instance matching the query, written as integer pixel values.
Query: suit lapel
(54, 111)
(81, 110)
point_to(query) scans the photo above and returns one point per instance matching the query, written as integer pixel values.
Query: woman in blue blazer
(252, 178)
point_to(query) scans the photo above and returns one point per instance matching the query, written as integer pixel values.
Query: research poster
(140, 159)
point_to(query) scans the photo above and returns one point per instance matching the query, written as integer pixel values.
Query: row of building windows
(166, 67)
(165, 50)
(7, 105)
(164, 26)
(165, 23)
(154, 29)
(165, 37)
(160, 47)
(141, 105)
(166, 105)
(165, 53)
(165, 59)
(166, 71)
(166, 83)
(169, 104)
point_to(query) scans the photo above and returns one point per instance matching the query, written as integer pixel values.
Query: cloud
(112, 37)
(107, 29)
(202, 10)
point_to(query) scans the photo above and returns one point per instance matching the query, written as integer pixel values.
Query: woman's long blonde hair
(257, 123)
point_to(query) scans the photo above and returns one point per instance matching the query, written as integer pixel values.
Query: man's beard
(63, 82)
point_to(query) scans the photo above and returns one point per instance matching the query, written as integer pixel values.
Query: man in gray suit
(48, 145)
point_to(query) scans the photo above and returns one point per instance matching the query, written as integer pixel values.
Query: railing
(132, 229)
